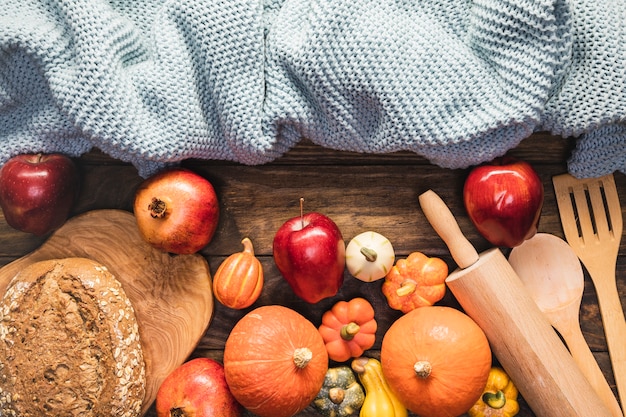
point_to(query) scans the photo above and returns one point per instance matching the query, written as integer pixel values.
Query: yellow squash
(379, 399)
(499, 398)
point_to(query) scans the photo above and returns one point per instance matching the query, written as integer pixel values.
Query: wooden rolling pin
(522, 339)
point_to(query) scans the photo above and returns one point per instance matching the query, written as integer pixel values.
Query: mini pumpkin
(275, 361)
(348, 329)
(499, 398)
(416, 281)
(369, 256)
(437, 360)
(238, 281)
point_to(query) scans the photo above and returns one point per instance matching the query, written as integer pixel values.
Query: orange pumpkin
(275, 361)
(348, 329)
(437, 361)
(238, 281)
(417, 281)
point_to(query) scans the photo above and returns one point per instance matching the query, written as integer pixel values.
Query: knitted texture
(459, 82)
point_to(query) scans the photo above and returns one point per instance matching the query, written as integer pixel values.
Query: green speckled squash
(341, 395)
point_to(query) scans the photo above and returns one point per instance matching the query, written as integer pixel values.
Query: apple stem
(157, 208)
(302, 211)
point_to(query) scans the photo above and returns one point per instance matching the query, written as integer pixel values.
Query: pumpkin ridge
(341, 312)
(255, 361)
(244, 291)
(259, 283)
(369, 326)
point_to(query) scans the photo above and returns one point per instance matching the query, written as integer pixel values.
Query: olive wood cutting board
(171, 294)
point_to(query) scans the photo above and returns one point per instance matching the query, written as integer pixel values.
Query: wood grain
(171, 294)
(360, 192)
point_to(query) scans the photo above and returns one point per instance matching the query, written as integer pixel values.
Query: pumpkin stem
(336, 395)
(370, 254)
(494, 399)
(301, 357)
(247, 246)
(406, 287)
(422, 369)
(349, 330)
(157, 208)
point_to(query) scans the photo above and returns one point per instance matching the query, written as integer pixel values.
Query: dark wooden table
(359, 192)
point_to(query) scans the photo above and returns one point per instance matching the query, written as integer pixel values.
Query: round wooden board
(172, 294)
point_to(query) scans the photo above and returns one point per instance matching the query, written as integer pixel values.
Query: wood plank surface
(359, 192)
(172, 315)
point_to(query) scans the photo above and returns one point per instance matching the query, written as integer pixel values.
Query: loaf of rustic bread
(69, 343)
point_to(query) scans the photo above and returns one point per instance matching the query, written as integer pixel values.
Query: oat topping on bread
(69, 343)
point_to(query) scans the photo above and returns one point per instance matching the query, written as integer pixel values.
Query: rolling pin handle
(442, 220)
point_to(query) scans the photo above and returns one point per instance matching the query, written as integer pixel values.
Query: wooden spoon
(554, 277)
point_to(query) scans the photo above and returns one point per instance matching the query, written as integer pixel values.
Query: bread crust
(69, 343)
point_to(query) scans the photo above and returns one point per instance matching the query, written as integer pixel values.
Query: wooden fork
(592, 223)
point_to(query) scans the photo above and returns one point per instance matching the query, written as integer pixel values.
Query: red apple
(503, 199)
(38, 191)
(310, 253)
(197, 388)
(177, 211)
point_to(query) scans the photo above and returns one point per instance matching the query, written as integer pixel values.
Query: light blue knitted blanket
(153, 82)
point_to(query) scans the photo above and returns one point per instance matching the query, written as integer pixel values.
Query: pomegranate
(177, 211)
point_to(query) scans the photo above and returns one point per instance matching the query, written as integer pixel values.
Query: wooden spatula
(592, 223)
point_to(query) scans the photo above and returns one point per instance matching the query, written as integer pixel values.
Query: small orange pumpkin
(238, 281)
(416, 281)
(348, 329)
(437, 361)
(275, 361)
